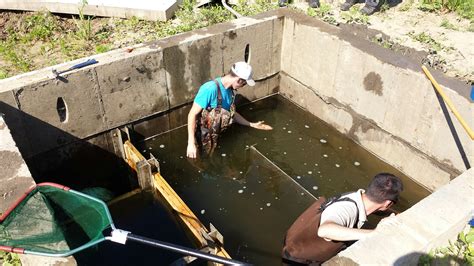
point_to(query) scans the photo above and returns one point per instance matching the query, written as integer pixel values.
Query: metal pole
(183, 250)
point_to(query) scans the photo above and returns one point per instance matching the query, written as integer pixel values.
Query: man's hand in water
(191, 150)
(260, 125)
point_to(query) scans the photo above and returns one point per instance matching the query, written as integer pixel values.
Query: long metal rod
(283, 172)
(183, 250)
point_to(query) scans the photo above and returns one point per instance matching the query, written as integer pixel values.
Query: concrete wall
(16, 179)
(378, 98)
(133, 87)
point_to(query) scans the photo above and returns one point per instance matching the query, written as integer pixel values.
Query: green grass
(42, 39)
(9, 259)
(324, 12)
(428, 40)
(102, 48)
(446, 24)
(465, 8)
(354, 16)
(39, 26)
(461, 252)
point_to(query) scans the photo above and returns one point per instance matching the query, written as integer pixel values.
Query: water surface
(250, 201)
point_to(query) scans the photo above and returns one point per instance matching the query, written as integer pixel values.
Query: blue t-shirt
(207, 95)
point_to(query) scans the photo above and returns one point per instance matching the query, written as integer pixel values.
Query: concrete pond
(379, 102)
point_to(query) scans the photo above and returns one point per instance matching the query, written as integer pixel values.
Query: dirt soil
(449, 48)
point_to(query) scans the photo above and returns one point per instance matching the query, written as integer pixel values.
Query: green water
(250, 201)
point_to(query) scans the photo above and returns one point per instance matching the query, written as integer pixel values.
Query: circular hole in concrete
(61, 107)
(247, 53)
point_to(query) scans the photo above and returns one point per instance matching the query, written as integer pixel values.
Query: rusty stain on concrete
(373, 83)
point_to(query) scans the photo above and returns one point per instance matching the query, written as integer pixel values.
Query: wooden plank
(173, 201)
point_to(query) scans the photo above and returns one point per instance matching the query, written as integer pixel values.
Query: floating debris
(323, 141)
(240, 191)
(162, 146)
(315, 164)
(289, 131)
(325, 155)
(233, 178)
(337, 165)
(252, 193)
(310, 172)
(144, 151)
(181, 157)
(298, 177)
(264, 138)
(315, 187)
(306, 126)
(356, 163)
(223, 155)
(261, 208)
(300, 138)
(302, 193)
(340, 147)
(276, 198)
(203, 211)
(269, 204)
(150, 148)
(244, 187)
(284, 128)
(284, 152)
(241, 172)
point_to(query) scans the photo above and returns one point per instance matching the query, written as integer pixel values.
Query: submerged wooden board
(174, 202)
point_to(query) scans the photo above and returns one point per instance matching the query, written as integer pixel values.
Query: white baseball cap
(243, 71)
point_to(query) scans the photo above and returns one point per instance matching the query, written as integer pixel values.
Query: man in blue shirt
(218, 95)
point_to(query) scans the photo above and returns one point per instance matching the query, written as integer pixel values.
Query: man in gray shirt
(326, 227)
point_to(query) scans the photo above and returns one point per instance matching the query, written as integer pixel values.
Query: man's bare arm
(191, 150)
(332, 231)
(258, 125)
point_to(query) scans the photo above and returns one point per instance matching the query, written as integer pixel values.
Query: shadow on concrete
(74, 162)
(419, 258)
(454, 133)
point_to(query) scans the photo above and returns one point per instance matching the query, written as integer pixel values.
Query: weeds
(324, 12)
(384, 42)
(354, 16)
(3, 74)
(465, 8)
(9, 52)
(10, 259)
(446, 24)
(406, 6)
(39, 26)
(427, 39)
(102, 48)
(461, 252)
(84, 27)
(259, 6)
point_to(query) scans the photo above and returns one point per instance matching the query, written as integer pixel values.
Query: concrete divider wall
(381, 100)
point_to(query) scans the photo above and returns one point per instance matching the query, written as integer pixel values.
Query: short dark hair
(383, 187)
